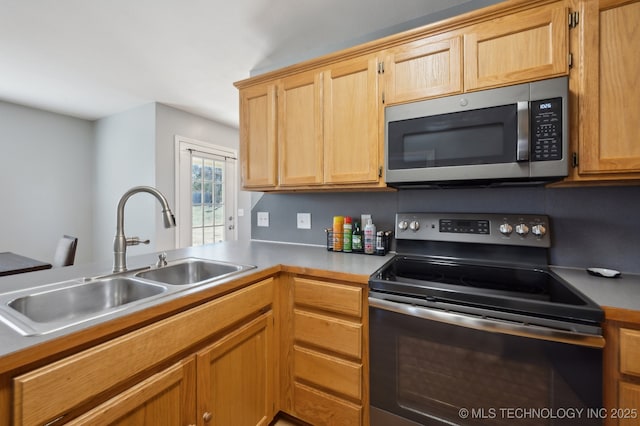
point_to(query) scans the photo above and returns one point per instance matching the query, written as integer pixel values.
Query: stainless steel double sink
(53, 307)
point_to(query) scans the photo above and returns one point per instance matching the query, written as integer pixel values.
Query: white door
(206, 193)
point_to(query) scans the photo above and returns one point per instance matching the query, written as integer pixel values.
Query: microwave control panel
(546, 129)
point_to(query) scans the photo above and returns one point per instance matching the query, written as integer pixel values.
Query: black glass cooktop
(531, 291)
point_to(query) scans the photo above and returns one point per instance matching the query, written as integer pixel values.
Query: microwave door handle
(522, 148)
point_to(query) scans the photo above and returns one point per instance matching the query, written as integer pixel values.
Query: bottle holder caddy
(379, 249)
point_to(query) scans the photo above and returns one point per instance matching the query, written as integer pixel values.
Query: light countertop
(622, 293)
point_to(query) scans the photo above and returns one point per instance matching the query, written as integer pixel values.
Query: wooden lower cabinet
(622, 368)
(223, 374)
(166, 398)
(236, 377)
(325, 344)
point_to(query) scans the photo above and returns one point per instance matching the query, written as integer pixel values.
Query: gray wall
(125, 157)
(171, 122)
(591, 226)
(45, 192)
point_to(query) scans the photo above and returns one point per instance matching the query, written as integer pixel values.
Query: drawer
(334, 374)
(338, 298)
(340, 336)
(630, 351)
(321, 409)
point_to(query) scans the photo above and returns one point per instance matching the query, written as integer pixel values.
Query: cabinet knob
(207, 416)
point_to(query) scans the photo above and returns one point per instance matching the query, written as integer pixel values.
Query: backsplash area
(594, 226)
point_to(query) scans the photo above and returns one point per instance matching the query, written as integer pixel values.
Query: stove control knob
(522, 229)
(505, 229)
(403, 225)
(414, 225)
(538, 230)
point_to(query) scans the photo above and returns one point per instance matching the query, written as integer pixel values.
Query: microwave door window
(484, 136)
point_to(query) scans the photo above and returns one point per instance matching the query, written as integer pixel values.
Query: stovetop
(481, 263)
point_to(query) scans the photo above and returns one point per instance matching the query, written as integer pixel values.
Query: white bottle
(369, 237)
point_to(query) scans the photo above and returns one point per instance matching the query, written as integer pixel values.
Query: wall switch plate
(304, 220)
(240, 212)
(263, 219)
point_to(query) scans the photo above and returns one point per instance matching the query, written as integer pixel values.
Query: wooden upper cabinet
(423, 69)
(523, 46)
(608, 102)
(351, 136)
(258, 136)
(300, 133)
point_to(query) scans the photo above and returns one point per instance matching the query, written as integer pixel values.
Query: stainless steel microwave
(513, 134)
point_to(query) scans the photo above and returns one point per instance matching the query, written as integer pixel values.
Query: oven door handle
(490, 325)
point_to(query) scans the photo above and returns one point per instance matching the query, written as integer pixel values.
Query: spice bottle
(347, 230)
(369, 237)
(356, 237)
(338, 229)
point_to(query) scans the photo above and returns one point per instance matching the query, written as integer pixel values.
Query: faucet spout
(120, 241)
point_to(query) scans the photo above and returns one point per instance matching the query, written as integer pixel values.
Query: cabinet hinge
(380, 171)
(380, 67)
(574, 160)
(570, 60)
(383, 99)
(574, 19)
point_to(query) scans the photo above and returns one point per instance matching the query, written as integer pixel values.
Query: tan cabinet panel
(236, 377)
(629, 404)
(331, 297)
(630, 351)
(423, 69)
(321, 409)
(343, 337)
(609, 109)
(166, 398)
(351, 142)
(258, 136)
(300, 135)
(335, 374)
(520, 47)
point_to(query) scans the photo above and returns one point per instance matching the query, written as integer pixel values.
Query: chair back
(65, 251)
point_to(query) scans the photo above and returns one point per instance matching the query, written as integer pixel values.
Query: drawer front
(338, 298)
(630, 351)
(343, 337)
(321, 409)
(340, 376)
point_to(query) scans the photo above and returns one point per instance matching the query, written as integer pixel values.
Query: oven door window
(434, 373)
(482, 136)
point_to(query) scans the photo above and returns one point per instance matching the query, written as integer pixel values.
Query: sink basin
(80, 300)
(192, 271)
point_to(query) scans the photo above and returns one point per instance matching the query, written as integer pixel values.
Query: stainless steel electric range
(468, 325)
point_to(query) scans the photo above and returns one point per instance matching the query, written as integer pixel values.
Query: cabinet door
(628, 403)
(300, 147)
(423, 69)
(609, 109)
(523, 46)
(258, 136)
(351, 138)
(236, 377)
(166, 398)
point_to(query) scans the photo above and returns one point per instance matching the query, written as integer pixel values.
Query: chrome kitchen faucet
(120, 242)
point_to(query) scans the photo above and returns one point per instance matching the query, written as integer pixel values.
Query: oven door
(433, 368)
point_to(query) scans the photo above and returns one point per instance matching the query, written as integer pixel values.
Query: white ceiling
(95, 58)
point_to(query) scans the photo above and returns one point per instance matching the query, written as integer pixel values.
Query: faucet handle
(134, 241)
(162, 260)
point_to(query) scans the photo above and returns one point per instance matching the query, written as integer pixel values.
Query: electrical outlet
(364, 218)
(263, 219)
(304, 220)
